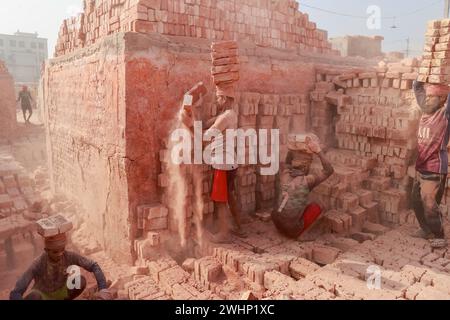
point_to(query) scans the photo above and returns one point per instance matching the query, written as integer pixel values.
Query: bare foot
(220, 238)
(239, 233)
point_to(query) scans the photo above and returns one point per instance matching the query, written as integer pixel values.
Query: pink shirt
(433, 137)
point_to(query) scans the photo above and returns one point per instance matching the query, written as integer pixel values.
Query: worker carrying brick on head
(224, 180)
(25, 100)
(292, 215)
(224, 184)
(50, 271)
(432, 160)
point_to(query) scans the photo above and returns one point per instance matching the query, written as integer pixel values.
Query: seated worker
(49, 272)
(292, 215)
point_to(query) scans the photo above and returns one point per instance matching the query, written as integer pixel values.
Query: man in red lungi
(224, 184)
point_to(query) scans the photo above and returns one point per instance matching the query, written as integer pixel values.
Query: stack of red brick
(16, 188)
(225, 61)
(248, 109)
(435, 67)
(276, 24)
(370, 123)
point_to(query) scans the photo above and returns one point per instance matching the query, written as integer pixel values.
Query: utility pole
(447, 9)
(407, 46)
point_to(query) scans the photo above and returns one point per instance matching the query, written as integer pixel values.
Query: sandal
(438, 243)
(423, 235)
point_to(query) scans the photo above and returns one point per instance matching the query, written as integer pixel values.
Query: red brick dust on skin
(110, 99)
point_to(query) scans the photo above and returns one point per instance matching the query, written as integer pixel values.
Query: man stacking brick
(50, 270)
(292, 214)
(225, 73)
(433, 135)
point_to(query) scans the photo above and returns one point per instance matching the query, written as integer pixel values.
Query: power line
(365, 17)
(334, 12)
(420, 9)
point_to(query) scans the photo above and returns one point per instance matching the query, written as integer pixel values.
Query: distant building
(395, 56)
(358, 46)
(23, 54)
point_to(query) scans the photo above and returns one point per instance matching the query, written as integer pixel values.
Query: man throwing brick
(25, 100)
(292, 215)
(432, 160)
(224, 181)
(50, 274)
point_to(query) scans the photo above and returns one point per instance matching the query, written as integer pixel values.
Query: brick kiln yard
(109, 99)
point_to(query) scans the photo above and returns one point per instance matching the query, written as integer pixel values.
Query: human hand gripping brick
(191, 100)
(314, 146)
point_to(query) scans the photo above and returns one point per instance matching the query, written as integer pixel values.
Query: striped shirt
(433, 136)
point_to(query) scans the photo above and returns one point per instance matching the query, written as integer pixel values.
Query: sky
(411, 17)
(41, 16)
(45, 17)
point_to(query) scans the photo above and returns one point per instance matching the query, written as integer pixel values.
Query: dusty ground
(273, 267)
(327, 266)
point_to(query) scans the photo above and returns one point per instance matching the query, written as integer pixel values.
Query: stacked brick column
(276, 24)
(374, 121)
(435, 66)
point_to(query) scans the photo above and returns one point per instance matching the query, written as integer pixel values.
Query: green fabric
(60, 294)
(298, 197)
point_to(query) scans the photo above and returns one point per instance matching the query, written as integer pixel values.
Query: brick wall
(268, 23)
(85, 115)
(8, 119)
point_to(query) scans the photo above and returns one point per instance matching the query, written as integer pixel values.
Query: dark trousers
(26, 108)
(427, 193)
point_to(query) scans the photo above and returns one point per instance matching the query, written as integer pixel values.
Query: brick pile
(276, 24)
(370, 115)
(332, 267)
(435, 67)
(17, 193)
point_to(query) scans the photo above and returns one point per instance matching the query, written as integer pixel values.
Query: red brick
(207, 270)
(324, 255)
(300, 268)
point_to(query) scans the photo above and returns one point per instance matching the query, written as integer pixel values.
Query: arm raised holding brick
(328, 170)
